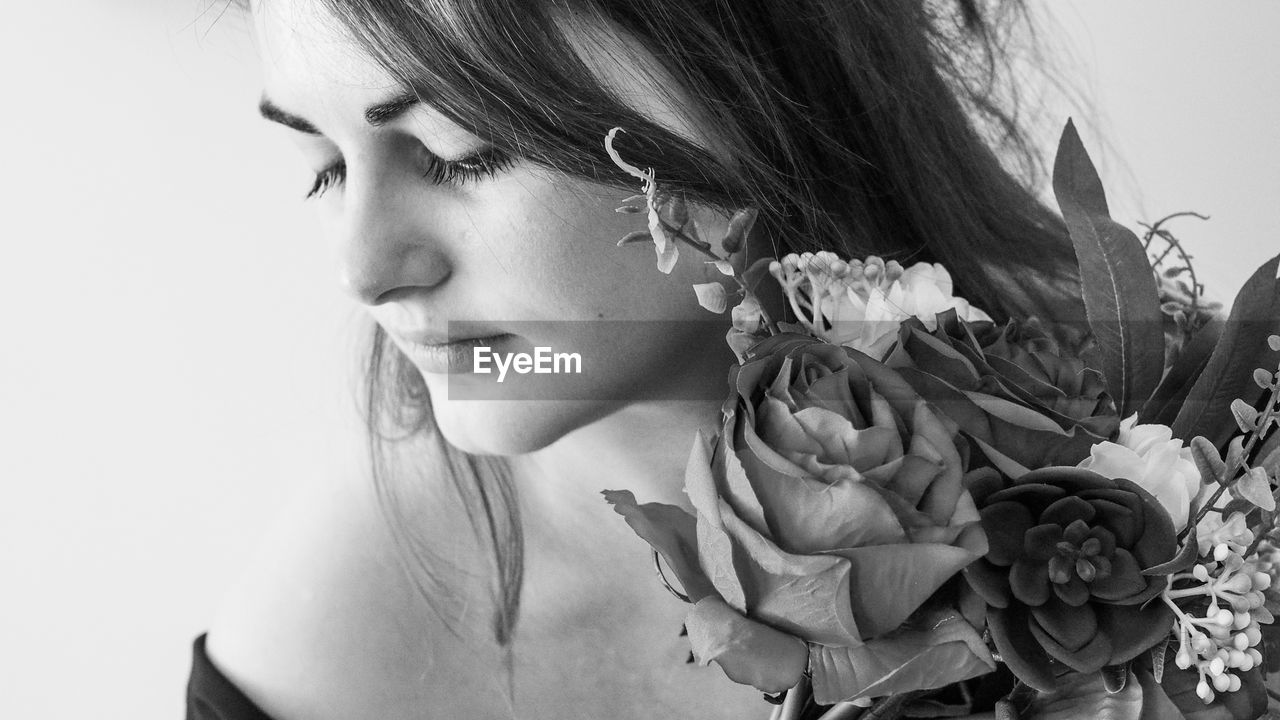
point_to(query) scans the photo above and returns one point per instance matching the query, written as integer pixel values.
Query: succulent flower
(1063, 577)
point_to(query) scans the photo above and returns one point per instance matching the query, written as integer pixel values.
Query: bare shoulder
(326, 624)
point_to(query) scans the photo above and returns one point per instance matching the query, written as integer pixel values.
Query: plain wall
(177, 354)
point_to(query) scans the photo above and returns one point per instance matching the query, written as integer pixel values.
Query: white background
(176, 352)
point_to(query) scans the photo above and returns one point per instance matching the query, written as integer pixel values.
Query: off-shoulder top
(211, 696)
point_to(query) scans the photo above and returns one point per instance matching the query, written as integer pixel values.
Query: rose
(1148, 455)
(829, 511)
(1023, 403)
(1063, 575)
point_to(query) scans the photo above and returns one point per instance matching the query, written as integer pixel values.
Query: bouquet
(909, 510)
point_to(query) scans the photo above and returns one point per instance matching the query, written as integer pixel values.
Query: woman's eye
(477, 166)
(332, 175)
(480, 165)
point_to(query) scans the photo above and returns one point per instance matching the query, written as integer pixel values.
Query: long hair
(858, 126)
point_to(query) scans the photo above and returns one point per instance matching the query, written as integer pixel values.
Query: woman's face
(519, 258)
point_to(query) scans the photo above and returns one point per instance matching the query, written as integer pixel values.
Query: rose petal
(832, 393)
(749, 652)
(778, 427)
(889, 582)
(716, 553)
(672, 532)
(732, 482)
(840, 442)
(949, 651)
(806, 515)
(805, 595)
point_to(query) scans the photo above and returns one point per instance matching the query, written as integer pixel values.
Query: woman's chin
(510, 427)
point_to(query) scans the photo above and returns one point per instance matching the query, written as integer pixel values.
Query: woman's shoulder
(325, 623)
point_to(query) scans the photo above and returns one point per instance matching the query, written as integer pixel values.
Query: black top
(211, 696)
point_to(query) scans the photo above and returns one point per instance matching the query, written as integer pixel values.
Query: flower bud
(1221, 683)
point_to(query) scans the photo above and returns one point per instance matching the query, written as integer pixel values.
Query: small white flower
(665, 247)
(1150, 456)
(861, 304)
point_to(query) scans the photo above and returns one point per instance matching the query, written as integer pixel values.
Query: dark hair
(859, 126)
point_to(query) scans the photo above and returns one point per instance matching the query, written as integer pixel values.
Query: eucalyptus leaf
(1255, 487)
(1208, 460)
(1243, 346)
(1262, 378)
(711, 296)
(1269, 455)
(1120, 297)
(1245, 416)
(1235, 453)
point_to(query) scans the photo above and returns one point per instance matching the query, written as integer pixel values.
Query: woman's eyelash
(332, 175)
(478, 166)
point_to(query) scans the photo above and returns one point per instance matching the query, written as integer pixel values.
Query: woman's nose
(388, 238)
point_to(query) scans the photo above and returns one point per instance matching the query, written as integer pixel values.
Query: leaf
(1185, 558)
(1255, 487)
(1235, 453)
(1167, 400)
(1080, 695)
(711, 296)
(1208, 461)
(723, 266)
(1120, 297)
(1255, 314)
(1246, 417)
(934, 655)
(739, 228)
(1262, 378)
(1269, 455)
(636, 236)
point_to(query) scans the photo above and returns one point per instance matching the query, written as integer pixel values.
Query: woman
(461, 170)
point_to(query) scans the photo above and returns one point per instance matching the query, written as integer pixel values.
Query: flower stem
(705, 248)
(843, 711)
(891, 707)
(794, 703)
(1237, 463)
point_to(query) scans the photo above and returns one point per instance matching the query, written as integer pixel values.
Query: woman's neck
(642, 448)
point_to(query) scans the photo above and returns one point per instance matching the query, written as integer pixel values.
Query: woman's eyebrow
(376, 115)
(274, 113)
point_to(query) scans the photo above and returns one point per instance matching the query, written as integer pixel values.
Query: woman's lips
(454, 357)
